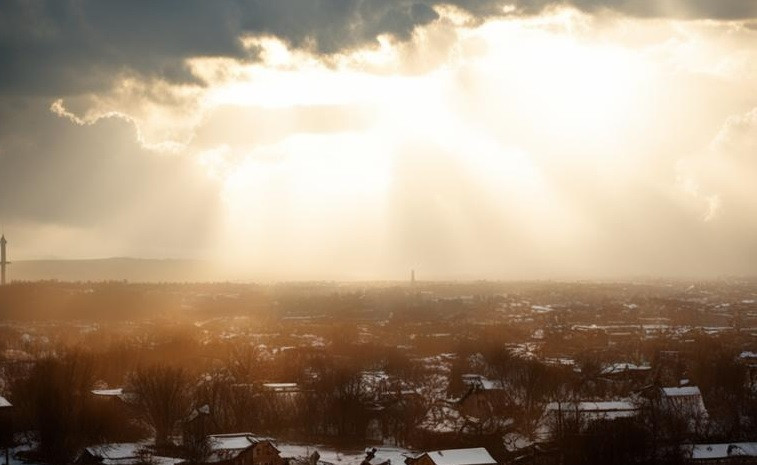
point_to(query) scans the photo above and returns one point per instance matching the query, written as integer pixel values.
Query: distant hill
(110, 269)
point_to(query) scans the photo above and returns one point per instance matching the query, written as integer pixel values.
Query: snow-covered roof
(5, 402)
(128, 397)
(682, 391)
(481, 382)
(473, 456)
(228, 446)
(108, 392)
(541, 309)
(616, 368)
(329, 455)
(686, 400)
(559, 361)
(116, 450)
(592, 406)
(281, 387)
(607, 410)
(234, 441)
(126, 453)
(725, 450)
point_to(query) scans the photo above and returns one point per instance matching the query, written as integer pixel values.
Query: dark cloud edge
(69, 47)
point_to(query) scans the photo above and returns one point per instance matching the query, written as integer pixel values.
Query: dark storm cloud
(54, 47)
(56, 172)
(65, 46)
(61, 47)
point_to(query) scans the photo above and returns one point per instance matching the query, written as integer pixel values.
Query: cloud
(738, 136)
(163, 115)
(721, 177)
(96, 177)
(53, 47)
(538, 146)
(65, 47)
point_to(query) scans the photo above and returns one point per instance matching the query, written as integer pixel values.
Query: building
(725, 453)
(485, 399)
(592, 411)
(242, 449)
(626, 371)
(685, 401)
(575, 417)
(473, 456)
(127, 453)
(6, 425)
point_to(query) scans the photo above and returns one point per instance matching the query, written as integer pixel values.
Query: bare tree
(244, 363)
(55, 402)
(533, 384)
(162, 394)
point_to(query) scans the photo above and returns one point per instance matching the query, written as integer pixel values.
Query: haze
(361, 139)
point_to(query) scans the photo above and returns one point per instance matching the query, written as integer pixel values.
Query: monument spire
(3, 259)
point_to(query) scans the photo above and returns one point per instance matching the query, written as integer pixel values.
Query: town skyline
(378, 232)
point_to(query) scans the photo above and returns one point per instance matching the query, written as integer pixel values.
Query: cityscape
(486, 372)
(378, 232)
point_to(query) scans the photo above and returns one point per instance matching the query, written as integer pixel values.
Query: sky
(359, 139)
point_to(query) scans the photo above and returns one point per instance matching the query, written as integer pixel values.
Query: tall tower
(412, 278)
(3, 260)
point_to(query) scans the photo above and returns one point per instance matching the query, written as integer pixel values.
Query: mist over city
(378, 232)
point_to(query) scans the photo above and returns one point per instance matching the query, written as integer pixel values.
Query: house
(483, 398)
(473, 456)
(127, 453)
(592, 411)
(685, 404)
(242, 449)
(749, 360)
(6, 422)
(576, 416)
(626, 371)
(725, 453)
(684, 400)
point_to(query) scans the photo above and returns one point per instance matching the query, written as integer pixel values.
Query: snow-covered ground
(16, 460)
(342, 457)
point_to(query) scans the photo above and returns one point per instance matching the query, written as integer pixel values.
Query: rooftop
(473, 456)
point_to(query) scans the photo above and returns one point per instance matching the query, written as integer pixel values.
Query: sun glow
(506, 107)
(550, 79)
